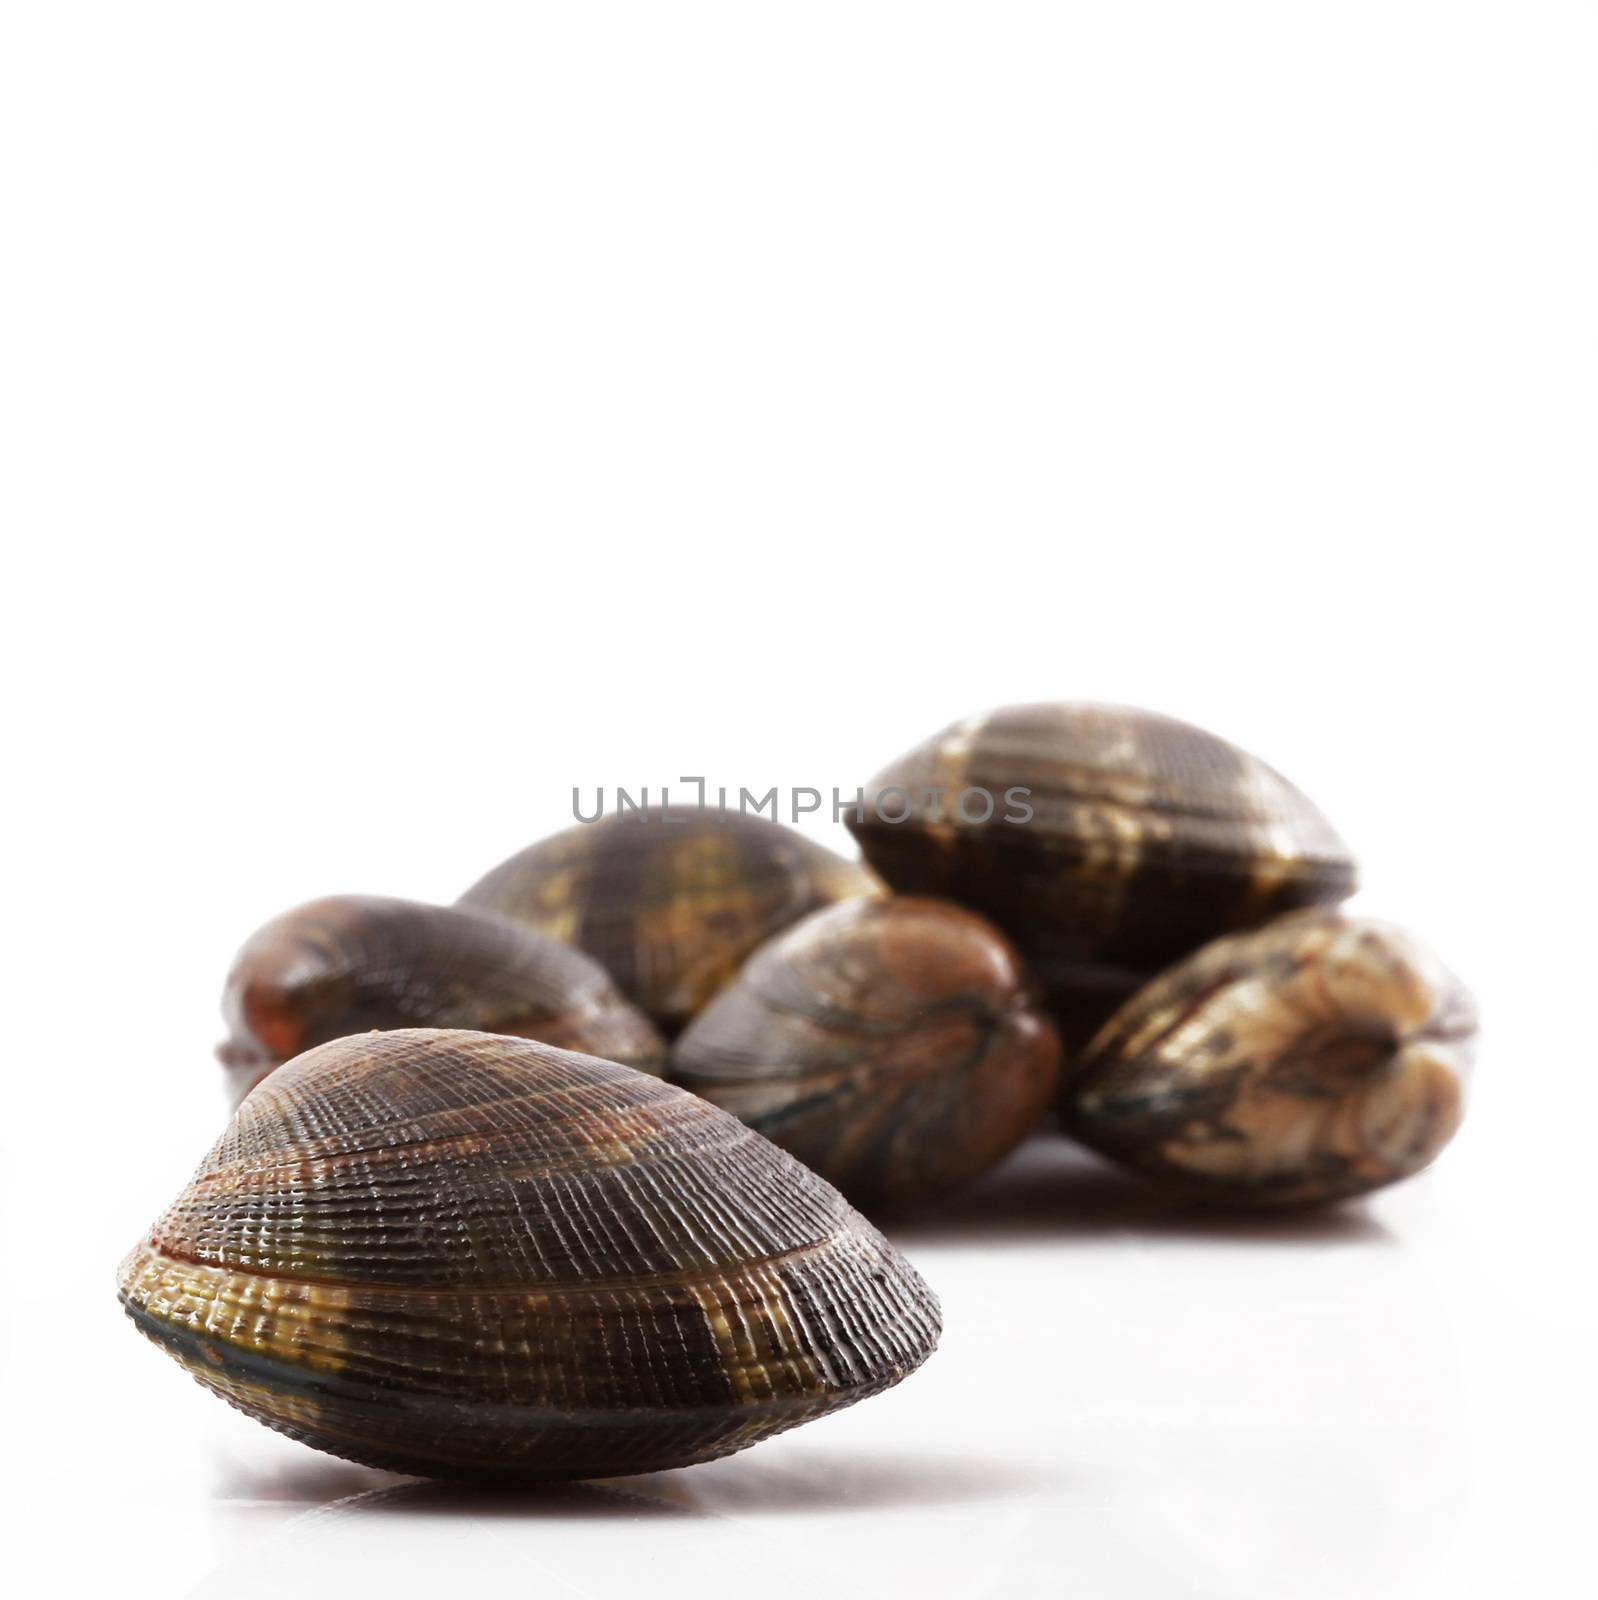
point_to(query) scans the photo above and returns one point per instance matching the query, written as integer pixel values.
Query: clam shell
(1317, 1058)
(351, 963)
(1147, 837)
(894, 1046)
(670, 903)
(457, 1253)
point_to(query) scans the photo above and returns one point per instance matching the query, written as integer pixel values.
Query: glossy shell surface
(1317, 1058)
(670, 904)
(458, 1253)
(1146, 837)
(351, 963)
(895, 1046)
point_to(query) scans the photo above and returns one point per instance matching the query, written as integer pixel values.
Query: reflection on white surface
(811, 1523)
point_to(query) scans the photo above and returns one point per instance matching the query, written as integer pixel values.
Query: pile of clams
(560, 1181)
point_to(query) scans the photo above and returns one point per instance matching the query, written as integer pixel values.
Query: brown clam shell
(351, 963)
(456, 1253)
(895, 1046)
(1317, 1058)
(1118, 841)
(670, 903)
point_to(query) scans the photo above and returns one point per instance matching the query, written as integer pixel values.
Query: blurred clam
(457, 1253)
(669, 902)
(895, 1046)
(1107, 842)
(351, 963)
(1317, 1058)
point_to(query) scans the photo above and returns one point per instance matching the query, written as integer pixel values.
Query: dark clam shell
(669, 903)
(1317, 1058)
(1146, 838)
(351, 963)
(459, 1253)
(895, 1046)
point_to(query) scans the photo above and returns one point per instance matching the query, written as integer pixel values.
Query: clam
(1317, 1058)
(669, 902)
(895, 1046)
(455, 1253)
(1107, 842)
(355, 962)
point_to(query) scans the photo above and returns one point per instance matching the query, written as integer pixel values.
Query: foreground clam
(1317, 1058)
(669, 902)
(1107, 842)
(351, 963)
(456, 1253)
(893, 1045)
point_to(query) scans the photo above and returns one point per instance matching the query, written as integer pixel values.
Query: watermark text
(892, 804)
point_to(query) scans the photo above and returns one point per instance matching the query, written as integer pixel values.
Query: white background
(410, 412)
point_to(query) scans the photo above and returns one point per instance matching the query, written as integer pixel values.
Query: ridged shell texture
(454, 1253)
(1319, 1057)
(893, 1045)
(670, 903)
(1146, 837)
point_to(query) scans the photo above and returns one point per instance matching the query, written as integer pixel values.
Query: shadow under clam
(792, 1481)
(1052, 1190)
